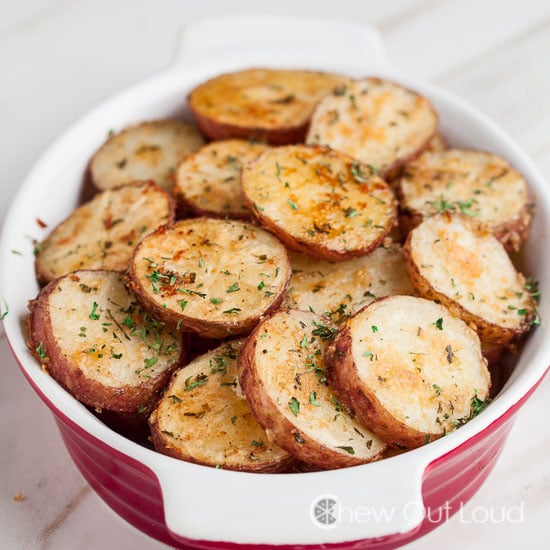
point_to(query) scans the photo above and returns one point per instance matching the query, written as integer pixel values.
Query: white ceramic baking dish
(380, 505)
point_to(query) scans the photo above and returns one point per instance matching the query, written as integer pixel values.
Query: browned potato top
(214, 277)
(262, 98)
(474, 183)
(375, 121)
(319, 202)
(209, 181)
(455, 259)
(99, 343)
(409, 369)
(103, 233)
(150, 150)
(283, 375)
(338, 290)
(204, 417)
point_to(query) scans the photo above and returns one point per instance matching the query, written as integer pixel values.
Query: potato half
(148, 151)
(103, 233)
(338, 290)
(209, 181)
(210, 276)
(283, 375)
(456, 260)
(375, 121)
(319, 202)
(203, 417)
(264, 104)
(474, 183)
(408, 369)
(92, 336)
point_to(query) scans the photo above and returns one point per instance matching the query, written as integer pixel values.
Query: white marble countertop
(59, 58)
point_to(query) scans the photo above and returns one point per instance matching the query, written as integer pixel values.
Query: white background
(59, 58)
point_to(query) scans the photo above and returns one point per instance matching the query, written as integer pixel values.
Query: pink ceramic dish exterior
(132, 490)
(184, 504)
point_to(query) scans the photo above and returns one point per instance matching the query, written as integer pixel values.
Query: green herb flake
(293, 205)
(294, 406)
(233, 288)
(313, 399)
(348, 449)
(374, 328)
(41, 351)
(437, 389)
(200, 380)
(323, 331)
(216, 300)
(439, 323)
(357, 173)
(93, 315)
(150, 361)
(183, 304)
(174, 398)
(233, 419)
(232, 311)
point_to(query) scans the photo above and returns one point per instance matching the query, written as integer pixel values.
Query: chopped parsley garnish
(357, 173)
(294, 406)
(348, 449)
(93, 315)
(233, 288)
(323, 331)
(200, 380)
(439, 323)
(232, 311)
(313, 399)
(41, 351)
(293, 205)
(150, 361)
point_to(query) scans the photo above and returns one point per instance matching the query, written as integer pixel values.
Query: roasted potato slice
(209, 276)
(264, 104)
(283, 375)
(89, 332)
(375, 121)
(437, 143)
(209, 181)
(408, 369)
(103, 233)
(319, 202)
(338, 290)
(475, 183)
(203, 417)
(456, 260)
(148, 151)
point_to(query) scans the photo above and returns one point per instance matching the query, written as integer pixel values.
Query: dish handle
(231, 42)
(382, 499)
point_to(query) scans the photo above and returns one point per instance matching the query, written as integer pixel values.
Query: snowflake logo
(323, 511)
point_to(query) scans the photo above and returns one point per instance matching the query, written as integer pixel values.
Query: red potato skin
(163, 446)
(216, 130)
(488, 332)
(42, 277)
(188, 209)
(394, 170)
(309, 249)
(124, 399)
(511, 234)
(201, 327)
(277, 427)
(362, 403)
